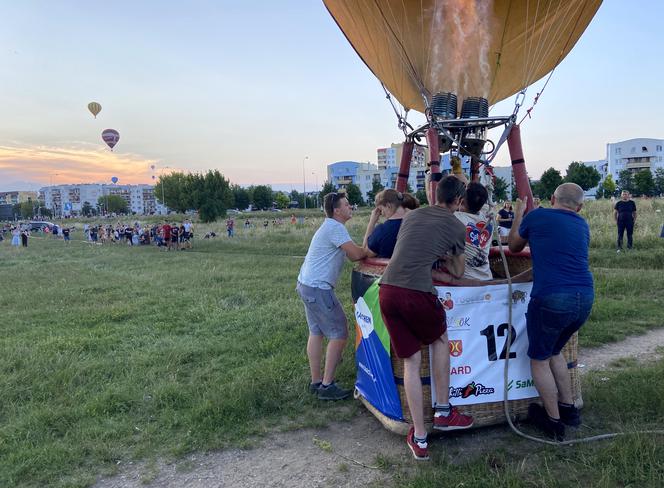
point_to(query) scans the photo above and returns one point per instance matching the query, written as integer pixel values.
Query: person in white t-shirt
(478, 232)
(329, 248)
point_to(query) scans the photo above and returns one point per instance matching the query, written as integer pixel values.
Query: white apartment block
(68, 200)
(633, 154)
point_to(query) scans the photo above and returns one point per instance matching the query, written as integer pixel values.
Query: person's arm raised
(516, 242)
(375, 214)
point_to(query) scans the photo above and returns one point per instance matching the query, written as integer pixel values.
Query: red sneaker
(454, 421)
(419, 449)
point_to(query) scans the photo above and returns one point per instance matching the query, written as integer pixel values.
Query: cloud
(80, 163)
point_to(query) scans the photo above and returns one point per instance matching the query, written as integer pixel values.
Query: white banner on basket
(477, 329)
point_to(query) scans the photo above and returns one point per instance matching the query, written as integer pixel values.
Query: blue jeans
(552, 319)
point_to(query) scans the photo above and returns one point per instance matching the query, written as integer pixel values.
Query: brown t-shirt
(426, 235)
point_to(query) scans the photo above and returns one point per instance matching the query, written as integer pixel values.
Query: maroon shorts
(412, 318)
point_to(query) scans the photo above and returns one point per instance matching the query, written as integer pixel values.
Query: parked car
(40, 226)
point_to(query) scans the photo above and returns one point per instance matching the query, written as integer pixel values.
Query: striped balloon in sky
(95, 108)
(110, 137)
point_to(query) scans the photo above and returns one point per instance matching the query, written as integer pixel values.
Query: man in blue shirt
(560, 302)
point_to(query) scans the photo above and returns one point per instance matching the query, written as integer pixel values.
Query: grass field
(111, 353)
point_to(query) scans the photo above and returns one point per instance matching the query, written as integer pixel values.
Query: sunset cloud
(43, 165)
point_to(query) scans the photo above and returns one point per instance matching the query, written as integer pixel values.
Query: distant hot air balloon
(95, 108)
(110, 137)
(152, 167)
(114, 180)
(153, 177)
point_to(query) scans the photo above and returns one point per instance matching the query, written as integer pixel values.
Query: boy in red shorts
(412, 312)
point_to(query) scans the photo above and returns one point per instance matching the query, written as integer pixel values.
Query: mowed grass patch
(110, 353)
(113, 353)
(611, 405)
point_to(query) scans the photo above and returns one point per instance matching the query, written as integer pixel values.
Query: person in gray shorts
(329, 248)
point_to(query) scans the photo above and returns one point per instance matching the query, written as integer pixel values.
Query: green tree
(87, 210)
(241, 198)
(354, 194)
(499, 189)
(626, 181)
(376, 188)
(328, 187)
(659, 181)
(644, 183)
(608, 187)
(586, 177)
(282, 200)
(209, 194)
(548, 183)
(24, 210)
(421, 196)
(262, 197)
(112, 204)
(176, 190)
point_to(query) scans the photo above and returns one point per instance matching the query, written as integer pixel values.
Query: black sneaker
(555, 429)
(569, 415)
(314, 387)
(333, 392)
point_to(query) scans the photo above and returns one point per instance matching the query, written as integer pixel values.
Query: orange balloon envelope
(474, 48)
(94, 108)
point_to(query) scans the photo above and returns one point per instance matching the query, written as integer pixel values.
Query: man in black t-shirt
(625, 214)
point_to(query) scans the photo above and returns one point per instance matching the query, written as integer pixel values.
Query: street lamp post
(316, 187)
(163, 200)
(304, 183)
(51, 190)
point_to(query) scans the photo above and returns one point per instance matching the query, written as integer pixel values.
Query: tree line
(642, 183)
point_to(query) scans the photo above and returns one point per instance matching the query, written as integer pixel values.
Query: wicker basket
(484, 414)
(516, 263)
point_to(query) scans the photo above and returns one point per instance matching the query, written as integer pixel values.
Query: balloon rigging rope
(515, 429)
(541, 55)
(402, 50)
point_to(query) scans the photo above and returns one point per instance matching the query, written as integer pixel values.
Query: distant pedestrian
(624, 213)
(65, 234)
(230, 227)
(24, 237)
(16, 237)
(505, 218)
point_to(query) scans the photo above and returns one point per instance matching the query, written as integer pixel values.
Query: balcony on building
(638, 164)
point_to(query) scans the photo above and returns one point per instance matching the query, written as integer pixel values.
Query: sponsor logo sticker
(472, 389)
(364, 318)
(456, 347)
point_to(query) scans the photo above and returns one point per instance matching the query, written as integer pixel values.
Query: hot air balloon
(152, 167)
(114, 179)
(451, 59)
(153, 177)
(110, 137)
(95, 108)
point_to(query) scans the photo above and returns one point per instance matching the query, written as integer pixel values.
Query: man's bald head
(570, 196)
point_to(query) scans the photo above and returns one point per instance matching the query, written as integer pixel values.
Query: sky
(269, 92)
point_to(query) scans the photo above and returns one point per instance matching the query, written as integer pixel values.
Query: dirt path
(642, 348)
(341, 455)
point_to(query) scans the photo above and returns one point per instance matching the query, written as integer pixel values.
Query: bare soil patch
(351, 454)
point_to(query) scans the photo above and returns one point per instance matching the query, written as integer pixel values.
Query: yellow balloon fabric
(485, 48)
(95, 108)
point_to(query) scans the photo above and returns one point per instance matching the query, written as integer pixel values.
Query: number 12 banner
(477, 326)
